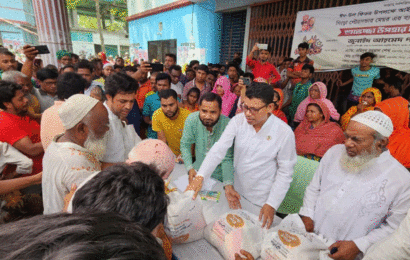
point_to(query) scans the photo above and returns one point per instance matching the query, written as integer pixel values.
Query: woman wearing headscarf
(369, 98)
(399, 141)
(223, 89)
(316, 134)
(278, 102)
(318, 91)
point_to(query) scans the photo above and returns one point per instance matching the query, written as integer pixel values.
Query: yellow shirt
(171, 128)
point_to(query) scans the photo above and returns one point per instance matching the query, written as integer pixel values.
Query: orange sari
(278, 112)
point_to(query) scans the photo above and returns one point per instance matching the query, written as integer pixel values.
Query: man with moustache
(360, 193)
(168, 121)
(76, 154)
(204, 128)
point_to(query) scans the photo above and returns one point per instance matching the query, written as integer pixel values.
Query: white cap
(75, 109)
(108, 65)
(377, 121)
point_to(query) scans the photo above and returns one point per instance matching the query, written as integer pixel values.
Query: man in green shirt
(204, 128)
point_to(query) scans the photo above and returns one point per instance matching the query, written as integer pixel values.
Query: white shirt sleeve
(114, 151)
(219, 149)
(286, 159)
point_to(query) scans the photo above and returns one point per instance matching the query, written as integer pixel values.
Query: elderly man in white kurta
(76, 154)
(360, 193)
(264, 154)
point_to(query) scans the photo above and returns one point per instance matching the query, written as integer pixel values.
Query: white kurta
(64, 164)
(10, 155)
(263, 161)
(121, 139)
(363, 207)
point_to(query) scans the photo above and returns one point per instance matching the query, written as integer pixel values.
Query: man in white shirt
(264, 154)
(120, 90)
(175, 72)
(360, 193)
(76, 154)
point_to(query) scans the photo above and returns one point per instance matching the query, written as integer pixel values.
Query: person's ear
(381, 144)
(109, 98)
(8, 105)
(82, 130)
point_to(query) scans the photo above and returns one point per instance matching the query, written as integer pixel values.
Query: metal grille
(233, 33)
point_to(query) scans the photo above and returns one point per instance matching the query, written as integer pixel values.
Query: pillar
(52, 27)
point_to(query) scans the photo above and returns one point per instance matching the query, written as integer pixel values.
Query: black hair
(167, 93)
(120, 82)
(78, 236)
(367, 54)
(84, 64)
(406, 94)
(317, 106)
(162, 76)
(276, 93)
(304, 45)
(213, 73)
(288, 59)
(129, 68)
(51, 67)
(394, 82)
(69, 84)
(118, 66)
(44, 74)
(75, 56)
(7, 92)
(171, 55)
(136, 191)
(203, 67)
(262, 91)
(196, 90)
(189, 70)
(193, 62)
(119, 58)
(67, 66)
(211, 97)
(217, 65)
(96, 61)
(249, 75)
(6, 51)
(233, 64)
(309, 67)
(175, 67)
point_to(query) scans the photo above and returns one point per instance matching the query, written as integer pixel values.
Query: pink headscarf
(300, 113)
(228, 99)
(156, 152)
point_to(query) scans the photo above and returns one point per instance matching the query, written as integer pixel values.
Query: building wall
(196, 28)
(137, 6)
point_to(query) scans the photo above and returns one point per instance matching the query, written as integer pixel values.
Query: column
(52, 27)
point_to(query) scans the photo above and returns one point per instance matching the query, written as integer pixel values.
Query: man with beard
(264, 154)
(360, 193)
(16, 127)
(76, 154)
(168, 121)
(120, 92)
(204, 128)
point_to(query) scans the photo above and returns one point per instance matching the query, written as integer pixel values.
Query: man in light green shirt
(204, 128)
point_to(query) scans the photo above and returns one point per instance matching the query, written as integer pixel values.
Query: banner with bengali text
(338, 36)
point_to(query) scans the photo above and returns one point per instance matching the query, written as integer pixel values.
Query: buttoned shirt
(191, 84)
(266, 70)
(45, 99)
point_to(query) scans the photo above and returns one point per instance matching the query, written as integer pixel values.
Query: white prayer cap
(108, 65)
(75, 109)
(377, 121)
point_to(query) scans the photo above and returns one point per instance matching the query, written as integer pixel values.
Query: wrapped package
(185, 221)
(290, 241)
(233, 231)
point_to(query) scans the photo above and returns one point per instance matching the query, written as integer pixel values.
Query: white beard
(96, 146)
(356, 164)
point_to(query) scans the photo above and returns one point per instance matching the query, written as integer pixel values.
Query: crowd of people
(98, 139)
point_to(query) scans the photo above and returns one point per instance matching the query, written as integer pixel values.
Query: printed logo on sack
(235, 221)
(289, 239)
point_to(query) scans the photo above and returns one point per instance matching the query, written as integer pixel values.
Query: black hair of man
(44, 74)
(406, 94)
(171, 55)
(75, 56)
(162, 76)
(120, 83)
(309, 67)
(211, 97)
(217, 65)
(304, 45)
(51, 67)
(78, 236)
(118, 67)
(189, 70)
(249, 75)
(175, 67)
(196, 90)
(129, 68)
(233, 64)
(262, 91)
(288, 59)
(213, 73)
(394, 82)
(68, 66)
(136, 191)
(119, 58)
(193, 62)
(203, 67)
(6, 51)
(84, 64)
(367, 54)
(69, 84)
(96, 61)
(167, 93)
(7, 92)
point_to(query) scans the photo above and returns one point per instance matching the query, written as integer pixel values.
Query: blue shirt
(363, 79)
(151, 104)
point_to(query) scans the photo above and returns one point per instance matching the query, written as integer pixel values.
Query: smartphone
(42, 49)
(157, 66)
(262, 46)
(246, 81)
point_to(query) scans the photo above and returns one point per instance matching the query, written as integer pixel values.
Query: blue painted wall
(178, 24)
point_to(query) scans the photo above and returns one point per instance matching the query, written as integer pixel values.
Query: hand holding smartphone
(42, 49)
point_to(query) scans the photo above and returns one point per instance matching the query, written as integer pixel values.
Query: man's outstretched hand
(195, 185)
(30, 52)
(267, 214)
(233, 197)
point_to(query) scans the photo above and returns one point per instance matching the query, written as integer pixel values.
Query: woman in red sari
(278, 98)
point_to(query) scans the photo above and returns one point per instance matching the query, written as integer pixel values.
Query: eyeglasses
(252, 109)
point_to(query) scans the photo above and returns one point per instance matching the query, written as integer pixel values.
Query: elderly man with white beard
(360, 193)
(76, 154)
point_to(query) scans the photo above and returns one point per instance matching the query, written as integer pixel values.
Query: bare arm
(255, 48)
(147, 120)
(30, 53)
(342, 84)
(161, 136)
(25, 145)
(7, 186)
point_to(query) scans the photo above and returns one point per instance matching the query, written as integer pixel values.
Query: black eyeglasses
(252, 109)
